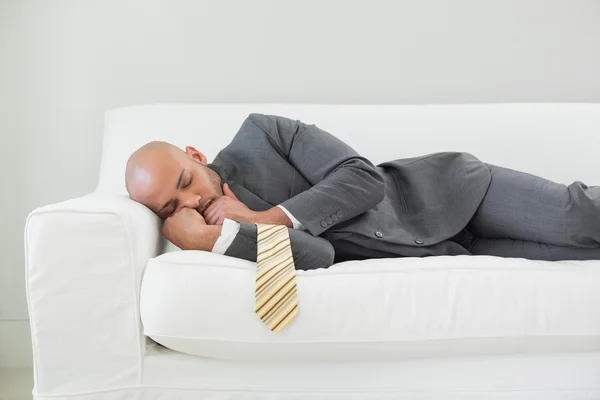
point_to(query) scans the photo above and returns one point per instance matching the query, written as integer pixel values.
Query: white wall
(64, 62)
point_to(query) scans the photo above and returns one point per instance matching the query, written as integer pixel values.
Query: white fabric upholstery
(85, 260)
(543, 376)
(90, 261)
(376, 309)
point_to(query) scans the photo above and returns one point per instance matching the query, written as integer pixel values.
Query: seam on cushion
(330, 391)
(375, 341)
(369, 390)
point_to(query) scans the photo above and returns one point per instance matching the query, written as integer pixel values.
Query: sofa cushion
(202, 303)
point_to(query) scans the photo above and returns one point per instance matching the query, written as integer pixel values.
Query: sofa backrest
(556, 141)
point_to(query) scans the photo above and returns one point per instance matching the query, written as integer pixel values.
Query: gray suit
(437, 204)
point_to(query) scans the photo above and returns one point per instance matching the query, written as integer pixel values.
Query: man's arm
(231, 228)
(309, 252)
(238, 239)
(187, 230)
(344, 183)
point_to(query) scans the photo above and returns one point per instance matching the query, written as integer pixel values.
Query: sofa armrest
(84, 263)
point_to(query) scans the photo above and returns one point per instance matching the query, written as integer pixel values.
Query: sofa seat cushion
(202, 304)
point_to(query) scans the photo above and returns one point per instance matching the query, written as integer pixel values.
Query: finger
(227, 192)
(212, 206)
(212, 217)
(211, 220)
(210, 213)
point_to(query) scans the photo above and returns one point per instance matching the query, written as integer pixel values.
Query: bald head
(165, 178)
(145, 164)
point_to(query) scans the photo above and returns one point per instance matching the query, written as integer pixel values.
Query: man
(339, 206)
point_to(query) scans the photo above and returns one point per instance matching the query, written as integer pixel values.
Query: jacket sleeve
(309, 252)
(344, 183)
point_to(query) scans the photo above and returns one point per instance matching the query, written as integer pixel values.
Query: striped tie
(276, 298)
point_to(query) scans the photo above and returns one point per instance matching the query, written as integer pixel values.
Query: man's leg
(528, 208)
(510, 248)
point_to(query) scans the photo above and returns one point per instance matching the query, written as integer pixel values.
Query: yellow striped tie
(276, 297)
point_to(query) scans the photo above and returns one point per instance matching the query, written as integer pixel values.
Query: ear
(196, 155)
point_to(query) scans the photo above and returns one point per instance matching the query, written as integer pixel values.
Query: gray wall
(64, 62)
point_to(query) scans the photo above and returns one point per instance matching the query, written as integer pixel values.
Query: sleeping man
(338, 206)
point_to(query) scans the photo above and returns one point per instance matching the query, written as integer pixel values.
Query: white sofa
(104, 288)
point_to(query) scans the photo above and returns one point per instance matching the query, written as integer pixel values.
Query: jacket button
(378, 234)
(418, 241)
(324, 224)
(328, 220)
(334, 217)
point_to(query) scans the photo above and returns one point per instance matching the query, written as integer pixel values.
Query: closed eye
(175, 204)
(189, 182)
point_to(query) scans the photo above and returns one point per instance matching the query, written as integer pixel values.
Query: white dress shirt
(231, 228)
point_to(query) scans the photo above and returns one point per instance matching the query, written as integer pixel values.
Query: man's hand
(188, 230)
(229, 207)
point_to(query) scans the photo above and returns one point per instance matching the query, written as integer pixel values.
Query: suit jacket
(351, 208)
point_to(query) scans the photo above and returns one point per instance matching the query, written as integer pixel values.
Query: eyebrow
(176, 187)
(179, 180)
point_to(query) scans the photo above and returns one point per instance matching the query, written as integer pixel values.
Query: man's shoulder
(256, 121)
(272, 123)
(255, 132)
(260, 119)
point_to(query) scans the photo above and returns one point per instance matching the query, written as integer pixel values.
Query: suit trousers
(526, 216)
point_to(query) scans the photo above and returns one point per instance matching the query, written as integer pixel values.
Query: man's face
(167, 180)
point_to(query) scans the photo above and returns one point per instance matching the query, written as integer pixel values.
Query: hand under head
(166, 179)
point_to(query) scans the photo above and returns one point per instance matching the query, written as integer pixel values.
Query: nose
(190, 200)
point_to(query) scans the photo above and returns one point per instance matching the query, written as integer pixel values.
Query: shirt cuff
(297, 224)
(229, 231)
